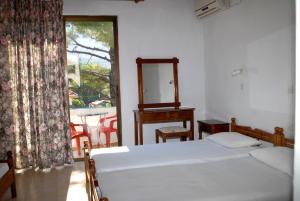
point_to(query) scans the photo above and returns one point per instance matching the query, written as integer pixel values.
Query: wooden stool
(172, 132)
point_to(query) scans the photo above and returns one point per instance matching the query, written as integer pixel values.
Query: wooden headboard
(277, 138)
(288, 143)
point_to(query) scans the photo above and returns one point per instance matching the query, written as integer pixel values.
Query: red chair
(77, 135)
(107, 130)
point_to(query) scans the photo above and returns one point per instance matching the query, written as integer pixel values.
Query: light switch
(291, 89)
(235, 2)
(242, 86)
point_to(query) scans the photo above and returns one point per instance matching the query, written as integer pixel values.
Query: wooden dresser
(163, 115)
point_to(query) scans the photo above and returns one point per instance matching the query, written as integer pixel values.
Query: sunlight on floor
(65, 184)
(77, 191)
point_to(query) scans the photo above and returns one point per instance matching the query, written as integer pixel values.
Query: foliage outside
(96, 80)
(77, 103)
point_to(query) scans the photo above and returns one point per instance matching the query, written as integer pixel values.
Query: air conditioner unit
(206, 7)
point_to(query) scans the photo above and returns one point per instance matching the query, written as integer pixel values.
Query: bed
(172, 153)
(237, 179)
(7, 177)
(95, 170)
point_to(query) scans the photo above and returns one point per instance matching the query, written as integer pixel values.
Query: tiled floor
(67, 184)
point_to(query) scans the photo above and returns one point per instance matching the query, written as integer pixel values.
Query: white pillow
(233, 140)
(280, 158)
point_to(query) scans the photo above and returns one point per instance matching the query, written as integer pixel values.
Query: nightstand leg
(164, 138)
(136, 132)
(200, 131)
(141, 133)
(192, 128)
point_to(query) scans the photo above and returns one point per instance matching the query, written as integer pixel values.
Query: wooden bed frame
(8, 180)
(277, 139)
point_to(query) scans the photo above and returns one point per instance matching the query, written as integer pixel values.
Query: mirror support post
(176, 91)
(140, 81)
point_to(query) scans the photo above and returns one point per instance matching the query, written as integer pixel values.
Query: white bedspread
(239, 179)
(3, 169)
(199, 151)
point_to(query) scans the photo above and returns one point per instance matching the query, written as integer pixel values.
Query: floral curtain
(34, 119)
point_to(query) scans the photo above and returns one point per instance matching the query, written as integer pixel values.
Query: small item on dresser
(212, 126)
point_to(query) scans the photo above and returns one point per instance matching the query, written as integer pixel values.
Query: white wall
(258, 37)
(297, 135)
(154, 28)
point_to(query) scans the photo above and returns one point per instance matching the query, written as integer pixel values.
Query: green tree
(77, 103)
(91, 87)
(102, 32)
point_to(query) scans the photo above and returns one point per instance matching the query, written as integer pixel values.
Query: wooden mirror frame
(140, 63)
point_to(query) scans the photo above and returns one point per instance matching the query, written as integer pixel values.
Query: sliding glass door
(93, 75)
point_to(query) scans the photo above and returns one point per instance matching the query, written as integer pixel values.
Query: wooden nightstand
(212, 126)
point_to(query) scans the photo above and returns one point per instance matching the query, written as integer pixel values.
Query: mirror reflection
(158, 83)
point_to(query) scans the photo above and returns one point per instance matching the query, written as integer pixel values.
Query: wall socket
(291, 89)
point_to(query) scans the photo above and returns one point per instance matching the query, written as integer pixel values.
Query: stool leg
(156, 138)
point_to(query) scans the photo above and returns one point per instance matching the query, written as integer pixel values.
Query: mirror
(158, 83)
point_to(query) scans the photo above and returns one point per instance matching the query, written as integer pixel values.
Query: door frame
(114, 20)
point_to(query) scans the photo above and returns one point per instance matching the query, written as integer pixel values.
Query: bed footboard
(92, 185)
(8, 180)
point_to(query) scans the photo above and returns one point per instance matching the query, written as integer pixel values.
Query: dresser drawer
(172, 116)
(163, 115)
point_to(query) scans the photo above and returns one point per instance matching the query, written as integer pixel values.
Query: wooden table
(212, 126)
(153, 116)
